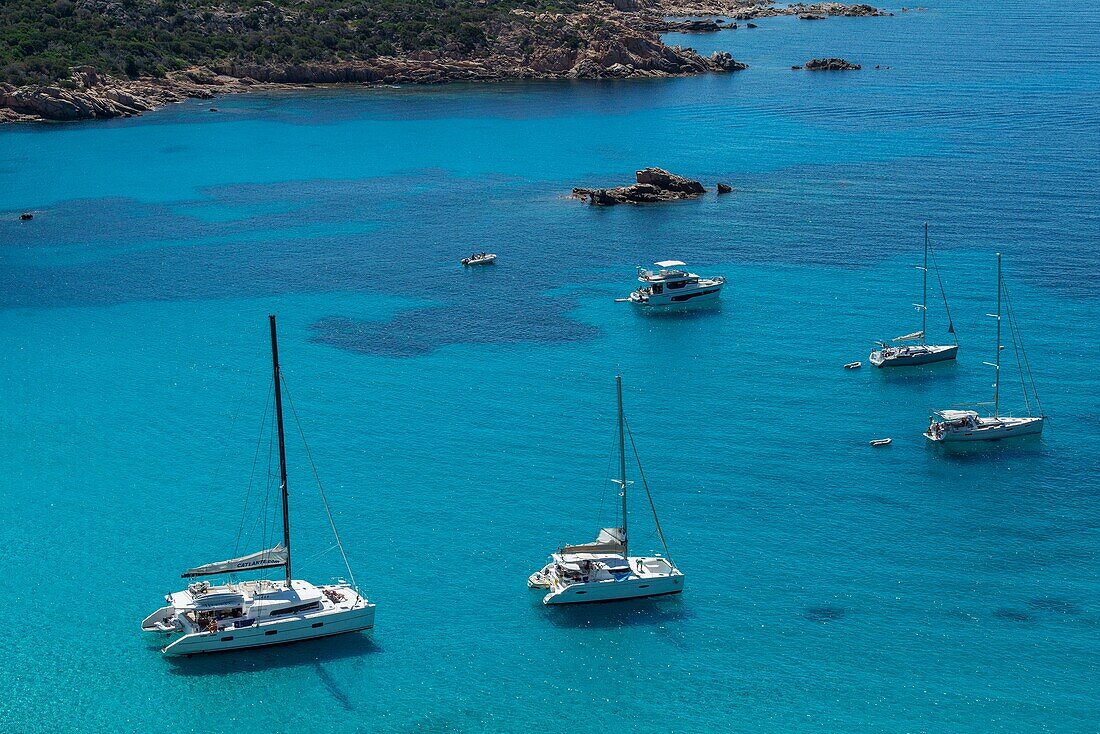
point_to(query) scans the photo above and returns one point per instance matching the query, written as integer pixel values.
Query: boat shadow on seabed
(288, 655)
(616, 614)
(982, 451)
(681, 313)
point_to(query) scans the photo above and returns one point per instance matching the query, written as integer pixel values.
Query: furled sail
(270, 558)
(610, 540)
(909, 337)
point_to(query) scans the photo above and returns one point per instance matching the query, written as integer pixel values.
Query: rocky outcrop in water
(653, 185)
(830, 65)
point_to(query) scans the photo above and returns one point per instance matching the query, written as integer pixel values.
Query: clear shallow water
(461, 420)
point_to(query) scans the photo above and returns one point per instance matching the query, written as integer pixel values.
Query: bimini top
(954, 415)
(670, 263)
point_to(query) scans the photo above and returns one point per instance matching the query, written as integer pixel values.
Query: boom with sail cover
(271, 558)
(910, 337)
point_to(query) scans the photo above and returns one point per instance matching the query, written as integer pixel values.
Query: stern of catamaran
(162, 621)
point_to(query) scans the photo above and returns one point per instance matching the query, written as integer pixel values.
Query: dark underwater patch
(1012, 615)
(825, 613)
(1055, 605)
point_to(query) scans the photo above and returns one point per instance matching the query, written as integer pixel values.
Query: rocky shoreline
(751, 9)
(618, 39)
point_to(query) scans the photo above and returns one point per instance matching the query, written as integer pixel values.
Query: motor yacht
(671, 286)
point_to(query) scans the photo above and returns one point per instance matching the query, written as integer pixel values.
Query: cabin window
(644, 586)
(227, 639)
(295, 609)
(677, 284)
(271, 632)
(658, 288)
(318, 624)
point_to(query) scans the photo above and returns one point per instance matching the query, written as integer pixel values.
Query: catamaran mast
(924, 296)
(282, 446)
(622, 455)
(997, 382)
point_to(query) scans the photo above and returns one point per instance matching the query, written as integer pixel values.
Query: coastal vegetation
(40, 40)
(84, 59)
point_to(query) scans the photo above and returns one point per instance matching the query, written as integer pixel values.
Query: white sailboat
(604, 570)
(966, 425)
(207, 618)
(920, 351)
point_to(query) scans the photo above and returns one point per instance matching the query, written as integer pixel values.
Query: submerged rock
(831, 65)
(654, 184)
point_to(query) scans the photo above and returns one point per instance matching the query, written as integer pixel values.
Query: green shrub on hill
(41, 39)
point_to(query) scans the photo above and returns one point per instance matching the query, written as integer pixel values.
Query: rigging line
(252, 475)
(236, 413)
(1023, 351)
(315, 556)
(1013, 331)
(320, 488)
(261, 519)
(267, 521)
(641, 473)
(943, 294)
(606, 482)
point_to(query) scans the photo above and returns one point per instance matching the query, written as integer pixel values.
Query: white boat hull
(487, 260)
(988, 429)
(275, 632)
(912, 356)
(630, 588)
(691, 299)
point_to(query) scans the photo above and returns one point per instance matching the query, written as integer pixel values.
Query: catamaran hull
(933, 354)
(274, 633)
(634, 588)
(1008, 428)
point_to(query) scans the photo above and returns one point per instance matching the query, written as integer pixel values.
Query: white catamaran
(240, 614)
(967, 425)
(603, 570)
(920, 352)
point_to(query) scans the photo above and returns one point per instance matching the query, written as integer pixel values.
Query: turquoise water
(462, 420)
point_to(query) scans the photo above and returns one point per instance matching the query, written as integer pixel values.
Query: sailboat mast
(622, 454)
(282, 445)
(924, 296)
(997, 383)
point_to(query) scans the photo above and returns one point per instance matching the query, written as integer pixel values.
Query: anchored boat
(604, 570)
(913, 348)
(671, 286)
(207, 617)
(951, 426)
(479, 258)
